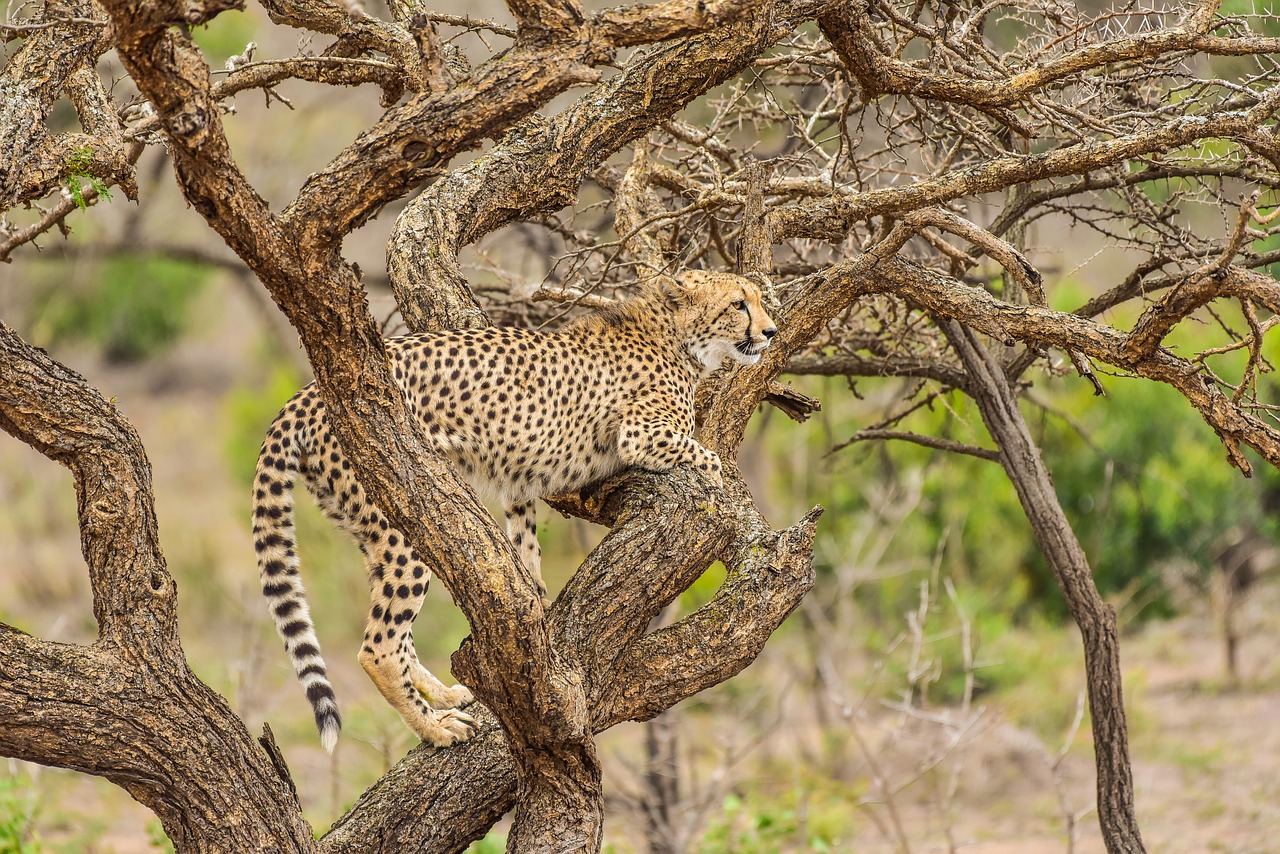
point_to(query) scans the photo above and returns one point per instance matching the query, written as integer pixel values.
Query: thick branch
(850, 34)
(1198, 290)
(666, 529)
(113, 708)
(770, 572)
(390, 158)
(55, 411)
(624, 26)
(356, 32)
(635, 208)
(539, 168)
(34, 162)
(1044, 327)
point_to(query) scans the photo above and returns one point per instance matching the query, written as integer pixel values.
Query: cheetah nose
(770, 332)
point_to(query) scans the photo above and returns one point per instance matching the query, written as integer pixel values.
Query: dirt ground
(1206, 773)
(1206, 759)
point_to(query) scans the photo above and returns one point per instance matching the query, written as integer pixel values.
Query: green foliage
(225, 36)
(16, 810)
(704, 589)
(78, 170)
(494, 843)
(248, 413)
(157, 838)
(1150, 486)
(1142, 479)
(1032, 671)
(811, 816)
(134, 308)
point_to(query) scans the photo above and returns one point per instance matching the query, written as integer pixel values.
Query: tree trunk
(127, 707)
(1096, 619)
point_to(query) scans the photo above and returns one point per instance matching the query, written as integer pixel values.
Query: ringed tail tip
(330, 725)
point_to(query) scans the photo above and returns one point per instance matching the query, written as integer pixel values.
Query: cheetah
(520, 414)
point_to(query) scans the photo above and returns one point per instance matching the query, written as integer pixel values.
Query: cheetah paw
(447, 728)
(460, 697)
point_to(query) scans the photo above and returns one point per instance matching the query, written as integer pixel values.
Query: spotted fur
(520, 414)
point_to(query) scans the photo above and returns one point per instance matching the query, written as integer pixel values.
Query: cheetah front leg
(522, 530)
(660, 447)
(398, 584)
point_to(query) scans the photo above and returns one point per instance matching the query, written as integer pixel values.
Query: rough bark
(126, 707)
(50, 60)
(542, 706)
(540, 166)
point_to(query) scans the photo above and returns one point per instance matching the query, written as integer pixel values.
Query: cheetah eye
(740, 305)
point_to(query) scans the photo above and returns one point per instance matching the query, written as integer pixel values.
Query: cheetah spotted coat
(520, 414)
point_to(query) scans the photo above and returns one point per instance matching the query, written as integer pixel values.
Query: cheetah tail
(273, 537)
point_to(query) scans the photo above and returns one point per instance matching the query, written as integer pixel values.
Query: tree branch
(850, 34)
(541, 167)
(831, 218)
(50, 61)
(110, 709)
(626, 26)
(1041, 326)
(936, 442)
(1097, 620)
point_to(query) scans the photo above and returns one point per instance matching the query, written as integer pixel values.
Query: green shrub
(133, 308)
(17, 807)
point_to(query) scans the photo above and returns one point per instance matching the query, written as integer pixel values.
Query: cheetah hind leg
(522, 530)
(425, 704)
(438, 695)
(429, 708)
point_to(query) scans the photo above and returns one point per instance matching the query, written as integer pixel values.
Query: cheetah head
(722, 317)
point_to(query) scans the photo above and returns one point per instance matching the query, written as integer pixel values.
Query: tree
(864, 156)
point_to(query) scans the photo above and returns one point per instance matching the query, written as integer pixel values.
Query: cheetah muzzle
(520, 414)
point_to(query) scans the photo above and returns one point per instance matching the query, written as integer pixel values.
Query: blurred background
(928, 694)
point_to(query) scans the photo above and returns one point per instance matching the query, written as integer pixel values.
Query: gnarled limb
(832, 218)
(542, 705)
(665, 531)
(112, 708)
(850, 32)
(52, 60)
(540, 166)
(1045, 327)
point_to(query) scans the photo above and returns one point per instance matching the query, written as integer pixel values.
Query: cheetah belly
(515, 471)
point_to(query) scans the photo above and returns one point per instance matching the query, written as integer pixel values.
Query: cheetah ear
(671, 290)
